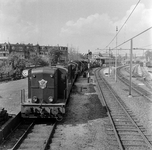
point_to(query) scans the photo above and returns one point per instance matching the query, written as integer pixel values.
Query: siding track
(125, 131)
(36, 136)
(146, 94)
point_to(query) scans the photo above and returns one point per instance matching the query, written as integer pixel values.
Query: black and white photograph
(75, 74)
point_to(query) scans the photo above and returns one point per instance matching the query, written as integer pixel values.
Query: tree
(82, 56)
(100, 55)
(75, 55)
(16, 62)
(38, 61)
(43, 62)
(55, 56)
(148, 55)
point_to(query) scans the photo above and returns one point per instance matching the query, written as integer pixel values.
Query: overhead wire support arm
(124, 23)
(133, 37)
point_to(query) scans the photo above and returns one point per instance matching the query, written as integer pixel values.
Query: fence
(6, 76)
(14, 75)
(10, 76)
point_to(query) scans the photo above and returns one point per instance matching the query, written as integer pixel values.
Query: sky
(81, 24)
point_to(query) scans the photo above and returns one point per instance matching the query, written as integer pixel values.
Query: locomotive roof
(49, 70)
(73, 62)
(62, 68)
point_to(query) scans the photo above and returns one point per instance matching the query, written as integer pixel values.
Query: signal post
(89, 57)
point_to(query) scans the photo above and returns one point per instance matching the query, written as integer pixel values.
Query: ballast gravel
(85, 124)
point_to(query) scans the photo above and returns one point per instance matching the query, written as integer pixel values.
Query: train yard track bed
(86, 126)
(83, 126)
(9, 126)
(144, 81)
(139, 107)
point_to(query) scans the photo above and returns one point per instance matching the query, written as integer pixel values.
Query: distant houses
(4, 51)
(28, 51)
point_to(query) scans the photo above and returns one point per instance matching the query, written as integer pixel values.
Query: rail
(134, 87)
(43, 145)
(121, 118)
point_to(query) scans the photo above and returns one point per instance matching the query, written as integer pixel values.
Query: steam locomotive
(48, 90)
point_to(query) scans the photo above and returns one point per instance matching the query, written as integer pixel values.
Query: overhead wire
(147, 46)
(133, 37)
(123, 24)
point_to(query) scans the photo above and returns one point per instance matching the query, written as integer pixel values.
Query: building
(19, 50)
(4, 51)
(29, 51)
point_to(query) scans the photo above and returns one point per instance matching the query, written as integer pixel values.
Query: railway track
(124, 130)
(146, 94)
(30, 136)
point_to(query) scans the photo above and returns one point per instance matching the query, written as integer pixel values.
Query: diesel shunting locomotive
(48, 90)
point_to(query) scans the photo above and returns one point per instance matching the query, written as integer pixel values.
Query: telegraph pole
(109, 61)
(116, 57)
(131, 48)
(88, 74)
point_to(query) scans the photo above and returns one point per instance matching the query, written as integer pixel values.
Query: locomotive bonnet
(47, 93)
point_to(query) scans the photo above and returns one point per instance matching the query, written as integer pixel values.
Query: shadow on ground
(83, 106)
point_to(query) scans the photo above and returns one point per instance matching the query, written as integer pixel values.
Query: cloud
(139, 20)
(104, 27)
(12, 24)
(92, 25)
(24, 21)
